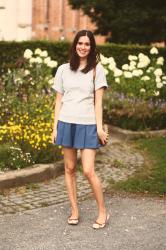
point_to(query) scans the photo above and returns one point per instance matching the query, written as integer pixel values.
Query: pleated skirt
(77, 136)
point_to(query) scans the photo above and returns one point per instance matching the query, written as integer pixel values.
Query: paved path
(115, 162)
(34, 217)
(135, 224)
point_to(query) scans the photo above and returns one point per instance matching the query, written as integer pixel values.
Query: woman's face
(83, 46)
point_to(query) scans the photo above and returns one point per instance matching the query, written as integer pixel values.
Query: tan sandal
(97, 225)
(72, 221)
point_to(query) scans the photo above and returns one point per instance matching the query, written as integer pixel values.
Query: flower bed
(26, 119)
(137, 96)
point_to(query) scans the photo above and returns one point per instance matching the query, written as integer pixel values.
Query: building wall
(15, 19)
(41, 19)
(55, 20)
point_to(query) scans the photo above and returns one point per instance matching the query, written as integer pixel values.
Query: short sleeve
(100, 78)
(58, 81)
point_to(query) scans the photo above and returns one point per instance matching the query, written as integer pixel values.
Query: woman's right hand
(53, 136)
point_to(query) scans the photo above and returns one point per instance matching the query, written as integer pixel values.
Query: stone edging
(130, 135)
(34, 174)
(41, 172)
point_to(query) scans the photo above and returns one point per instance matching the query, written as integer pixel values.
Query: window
(2, 4)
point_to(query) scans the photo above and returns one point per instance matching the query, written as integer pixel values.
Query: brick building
(56, 20)
(41, 19)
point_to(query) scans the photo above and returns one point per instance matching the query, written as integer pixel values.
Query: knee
(89, 173)
(70, 168)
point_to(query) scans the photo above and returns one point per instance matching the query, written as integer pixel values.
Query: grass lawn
(151, 178)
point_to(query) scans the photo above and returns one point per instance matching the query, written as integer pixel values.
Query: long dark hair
(93, 56)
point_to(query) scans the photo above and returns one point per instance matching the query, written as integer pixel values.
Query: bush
(141, 77)
(134, 113)
(11, 52)
(27, 105)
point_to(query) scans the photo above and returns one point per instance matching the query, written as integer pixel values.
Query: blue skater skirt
(77, 136)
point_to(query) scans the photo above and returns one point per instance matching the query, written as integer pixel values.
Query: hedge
(11, 52)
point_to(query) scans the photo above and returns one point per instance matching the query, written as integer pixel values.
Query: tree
(136, 21)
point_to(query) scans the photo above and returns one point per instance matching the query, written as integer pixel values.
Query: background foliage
(11, 52)
(136, 21)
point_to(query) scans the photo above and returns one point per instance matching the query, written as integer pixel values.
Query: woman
(78, 119)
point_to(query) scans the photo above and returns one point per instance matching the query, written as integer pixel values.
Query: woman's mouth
(82, 52)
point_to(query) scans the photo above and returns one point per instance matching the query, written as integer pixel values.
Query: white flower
(145, 78)
(127, 74)
(111, 60)
(158, 79)
(117, 72)
(38, 51)
(117, 80)
(154, 50)
(112, 66)
(131, 67)
(141, 65)
(133, 63)
(132, 58)
(160, 60)
(32, 83)
(158, 72)
(52, 64)
(47, 59)
(104, 60)
(51, 81)
(28, 54)
(44, 53)
(137, 72)
(26, 72)
(159, 85)
(32, 60)
(164, 77)
(106, 71)
(142, 90)
(141, 55)
(143, 60)
(125, 67)
(38, 60)
(140, 72)
(156, 93)
(150, 69)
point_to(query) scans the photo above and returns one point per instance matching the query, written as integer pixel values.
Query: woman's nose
(83, 46)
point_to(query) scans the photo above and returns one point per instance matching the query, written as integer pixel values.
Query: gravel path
(34, 217)
(135, 224)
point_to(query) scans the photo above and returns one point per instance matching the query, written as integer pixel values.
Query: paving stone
(54, 191)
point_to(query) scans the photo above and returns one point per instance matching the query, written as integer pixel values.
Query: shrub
(134, 113)
(27, 104)
(142, 77)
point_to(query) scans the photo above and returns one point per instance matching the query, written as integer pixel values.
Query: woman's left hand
(103, 136)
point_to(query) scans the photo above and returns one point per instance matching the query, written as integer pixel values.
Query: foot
(73, 219)
(100, 223)
(101, 218)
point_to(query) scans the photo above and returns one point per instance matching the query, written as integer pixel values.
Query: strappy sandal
(71, 221)
(97, 225)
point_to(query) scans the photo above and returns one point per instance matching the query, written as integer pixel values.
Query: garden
(135, 100)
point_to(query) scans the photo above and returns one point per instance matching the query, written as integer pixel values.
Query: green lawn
(151, 178)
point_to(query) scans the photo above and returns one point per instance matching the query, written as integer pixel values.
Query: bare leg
(70, 161)
(88, 159)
